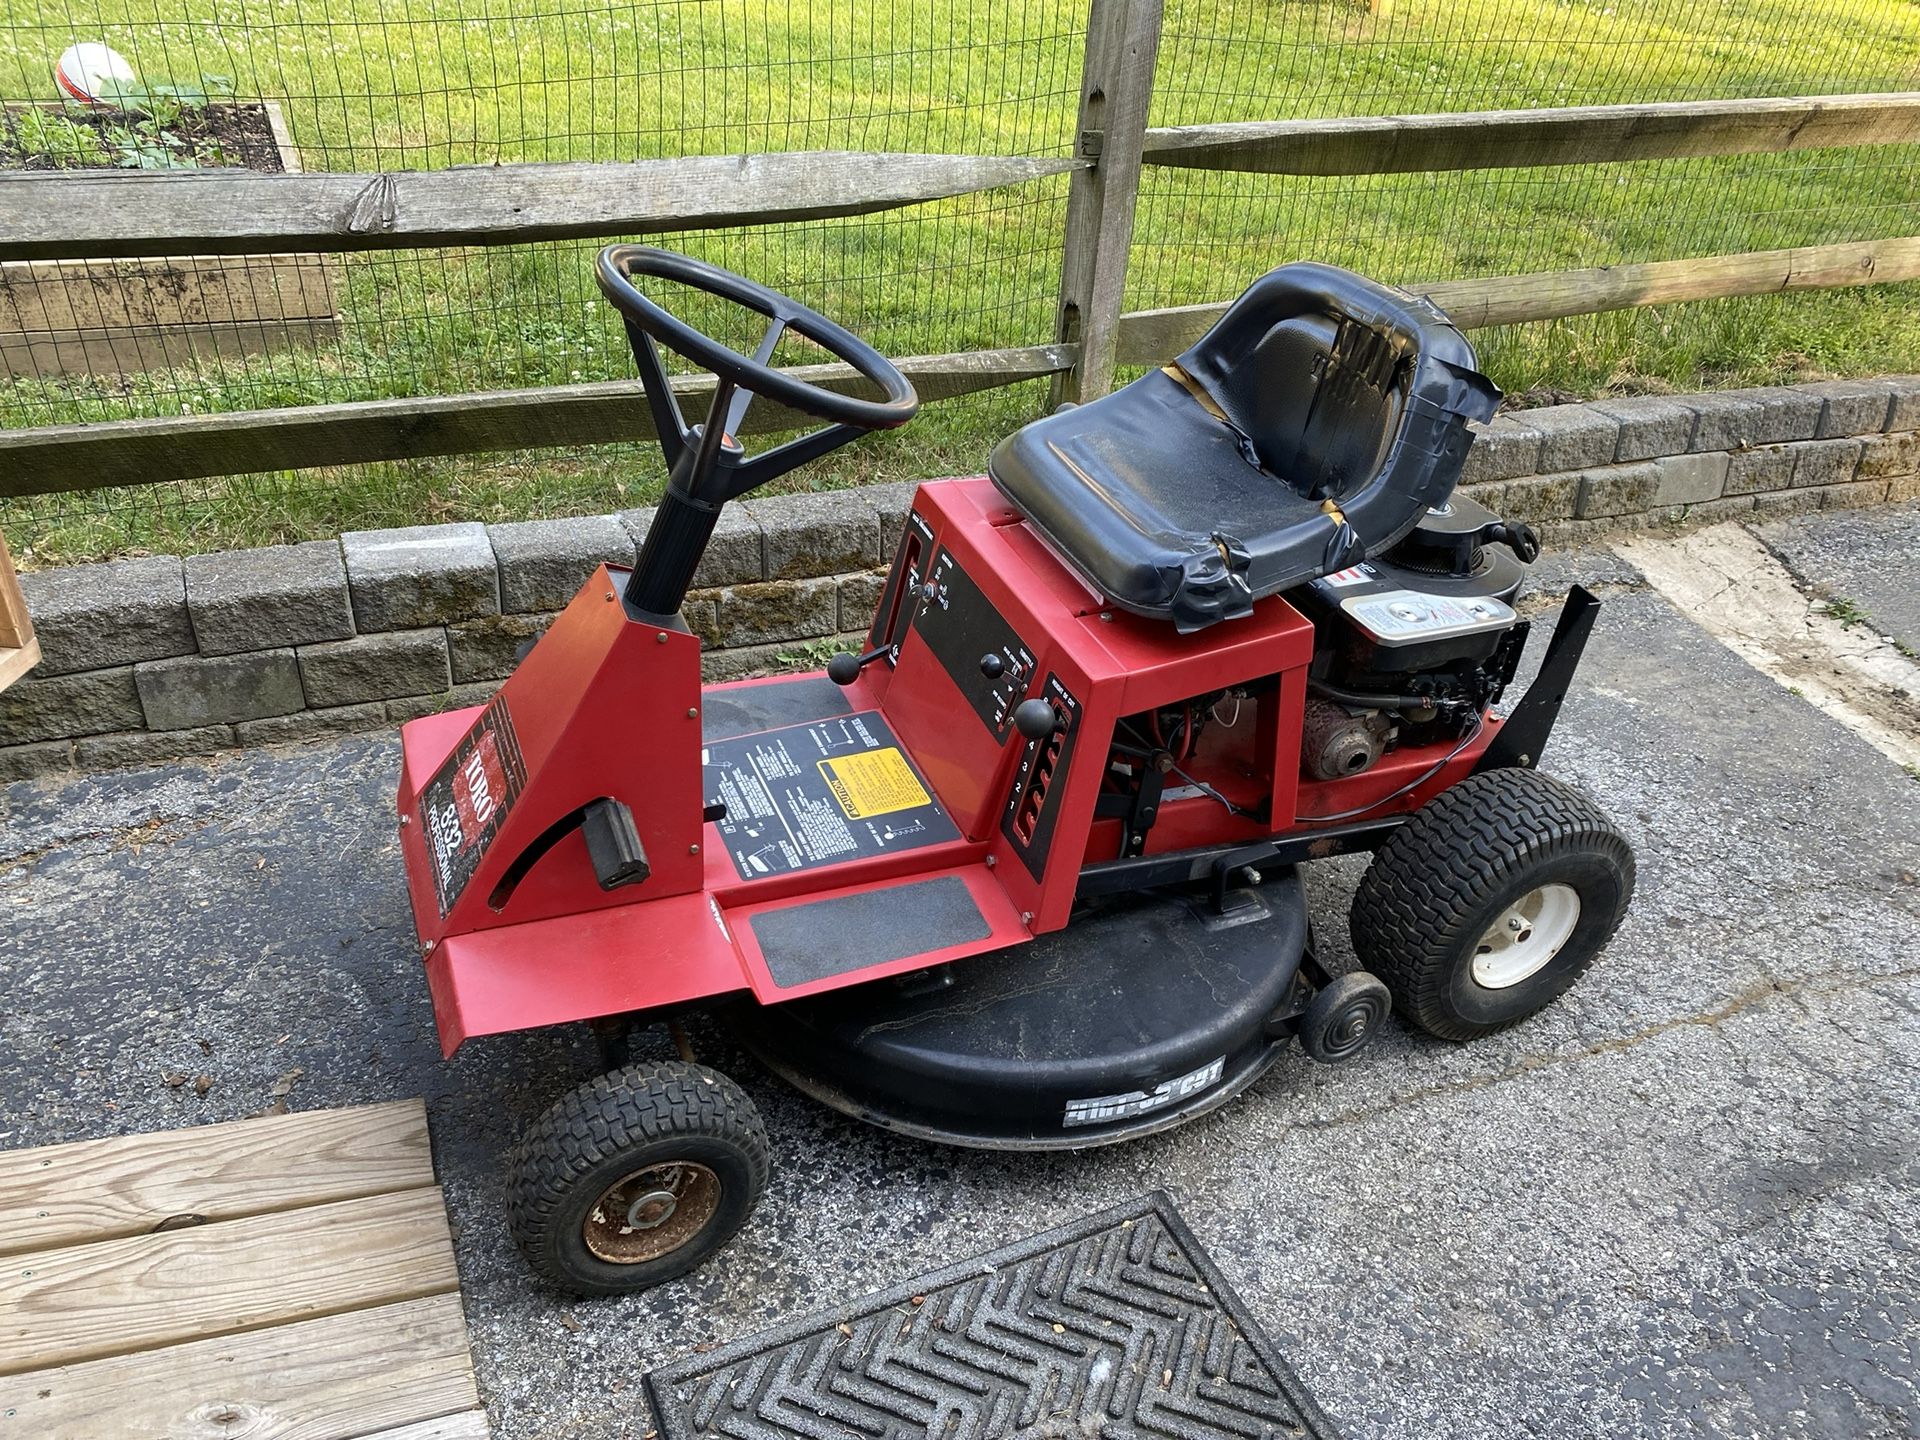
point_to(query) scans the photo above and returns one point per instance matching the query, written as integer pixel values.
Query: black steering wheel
(707, 466)
(620, 265)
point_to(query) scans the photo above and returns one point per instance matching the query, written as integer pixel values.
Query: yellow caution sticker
(873, 782)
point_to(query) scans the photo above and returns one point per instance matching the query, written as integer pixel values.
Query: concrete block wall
(153, 658)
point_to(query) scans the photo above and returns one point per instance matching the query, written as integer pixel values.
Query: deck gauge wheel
(636, 1177)
(1343, 1016)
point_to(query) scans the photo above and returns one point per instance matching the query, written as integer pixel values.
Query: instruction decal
(466, 802)
(820, 793)
(874, 782)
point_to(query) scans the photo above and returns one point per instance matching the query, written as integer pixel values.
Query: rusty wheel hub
(651, 1212)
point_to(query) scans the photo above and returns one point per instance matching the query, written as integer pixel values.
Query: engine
(1413, 646)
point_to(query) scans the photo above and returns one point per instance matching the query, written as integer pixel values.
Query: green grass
(381, 83)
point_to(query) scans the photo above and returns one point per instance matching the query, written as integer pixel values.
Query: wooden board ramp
(19, 650)
(284, 1278)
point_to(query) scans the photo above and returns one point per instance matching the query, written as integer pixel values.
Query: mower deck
(1041, 1048)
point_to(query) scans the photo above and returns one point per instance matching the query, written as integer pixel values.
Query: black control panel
(974, 644)
(904, 580)
(1033, 804)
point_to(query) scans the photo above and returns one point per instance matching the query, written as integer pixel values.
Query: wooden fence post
(1116, 84)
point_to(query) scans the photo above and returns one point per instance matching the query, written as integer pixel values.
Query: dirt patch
(100, 137)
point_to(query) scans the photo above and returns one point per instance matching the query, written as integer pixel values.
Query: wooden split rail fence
(91, 214)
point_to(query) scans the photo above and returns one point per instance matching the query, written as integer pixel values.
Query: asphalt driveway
(1681, 1202)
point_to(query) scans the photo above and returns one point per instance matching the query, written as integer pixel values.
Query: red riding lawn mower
(1021, 875)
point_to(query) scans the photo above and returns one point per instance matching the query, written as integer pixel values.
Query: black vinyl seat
(1310, 428)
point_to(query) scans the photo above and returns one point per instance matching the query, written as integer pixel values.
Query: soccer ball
(91, 72)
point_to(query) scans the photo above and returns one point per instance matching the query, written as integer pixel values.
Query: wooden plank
(137, 348)
(79, 213)
(1152, 337)
(16, 629)
(19, 650)
(37, 296)
(328, 1379)
(282, 137)
(1575, 135)
(113, 1297)
(470, 1426)
(60, 1195)
(1551, 296)
(17, 660)
(1116, 87)
(136, 452)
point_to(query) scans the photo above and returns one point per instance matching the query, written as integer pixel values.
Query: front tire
(1491, 901)
(635, 1177)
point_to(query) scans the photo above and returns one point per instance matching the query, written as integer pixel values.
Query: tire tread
(623, 1109)
(1438, 869)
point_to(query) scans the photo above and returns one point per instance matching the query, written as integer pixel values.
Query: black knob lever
(1036, 719)
(844, 669)
(1516, 535)
(613, 844)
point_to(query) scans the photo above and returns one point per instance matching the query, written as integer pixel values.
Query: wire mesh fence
(370, 85)
(1228, 60)
(367, 85)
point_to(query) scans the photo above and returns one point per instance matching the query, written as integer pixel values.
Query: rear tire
(635, 1177)
(1491, 901)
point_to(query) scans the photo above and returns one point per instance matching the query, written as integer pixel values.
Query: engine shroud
(1441, 598)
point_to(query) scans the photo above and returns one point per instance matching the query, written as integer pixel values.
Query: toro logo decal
(468, 798)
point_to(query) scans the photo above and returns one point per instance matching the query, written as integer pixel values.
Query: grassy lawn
(415, 83)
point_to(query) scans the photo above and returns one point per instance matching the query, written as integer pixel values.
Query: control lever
(1036, 719)
(844, 669)
(613, 844)
(1517, 536)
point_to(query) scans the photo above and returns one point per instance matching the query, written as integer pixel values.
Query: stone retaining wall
(153, 658)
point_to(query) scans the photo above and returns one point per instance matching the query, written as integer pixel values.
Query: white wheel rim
(1525, 936)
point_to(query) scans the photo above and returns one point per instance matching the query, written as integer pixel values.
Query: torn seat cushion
(1312, 426)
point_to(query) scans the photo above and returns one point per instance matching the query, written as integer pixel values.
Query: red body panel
(603, 706)
(574, 967)
(608, 705)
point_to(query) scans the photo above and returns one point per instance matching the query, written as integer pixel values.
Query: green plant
(812, 655)
(148, 137)
(59, 137)
(138, 149)
(165, 102)
(1847, 612)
